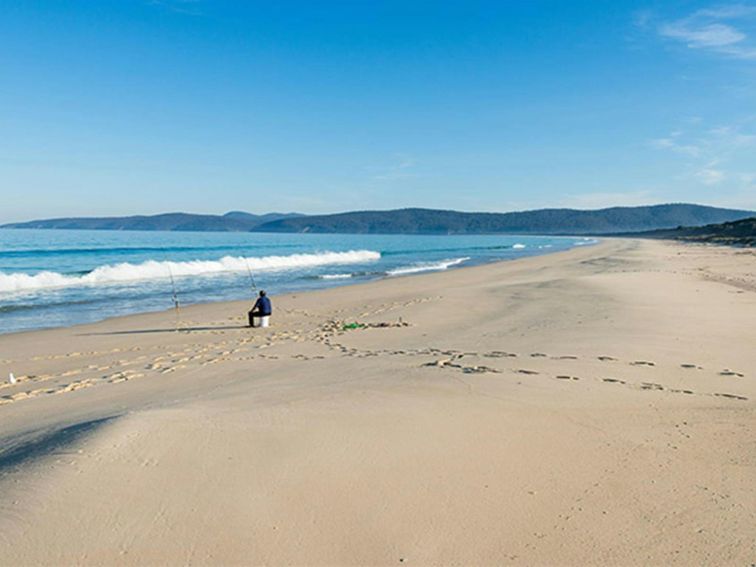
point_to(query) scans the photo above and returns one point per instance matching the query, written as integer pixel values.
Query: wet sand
(588, 407)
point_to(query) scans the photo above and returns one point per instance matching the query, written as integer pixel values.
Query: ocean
(52, 278)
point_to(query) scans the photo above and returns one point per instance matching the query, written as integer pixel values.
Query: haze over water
(55, 278)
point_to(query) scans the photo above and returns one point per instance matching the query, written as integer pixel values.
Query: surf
(153, 269)
(427, 267)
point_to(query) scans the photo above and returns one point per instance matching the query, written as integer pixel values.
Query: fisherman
(262, 308)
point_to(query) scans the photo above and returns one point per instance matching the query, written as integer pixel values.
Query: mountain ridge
(233, 221)
(556, 221)
(542, 221)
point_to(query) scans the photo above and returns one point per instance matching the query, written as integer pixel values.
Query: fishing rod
(251, 277)
(175, 297)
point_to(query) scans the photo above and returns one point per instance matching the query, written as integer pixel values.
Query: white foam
(335, 276)
(151, 270)
(519, 246)
(428, 267)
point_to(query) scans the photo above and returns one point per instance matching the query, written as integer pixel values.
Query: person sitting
(262, 308)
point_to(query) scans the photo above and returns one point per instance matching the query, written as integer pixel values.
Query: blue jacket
(263, 304)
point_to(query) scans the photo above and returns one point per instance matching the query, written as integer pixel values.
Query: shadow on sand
(47, 442)
(172, 330)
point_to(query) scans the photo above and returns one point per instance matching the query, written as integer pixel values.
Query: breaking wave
(427, 267)
(153, 270)
(335, 276)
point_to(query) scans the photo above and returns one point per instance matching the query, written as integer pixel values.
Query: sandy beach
(596, 406)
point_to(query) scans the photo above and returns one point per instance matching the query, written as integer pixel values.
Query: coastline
(81, 284)
(550, 409)
(338, 284)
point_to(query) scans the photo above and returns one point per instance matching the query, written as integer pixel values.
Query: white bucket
(262, 321)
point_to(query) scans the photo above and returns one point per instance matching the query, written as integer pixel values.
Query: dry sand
(590, 407)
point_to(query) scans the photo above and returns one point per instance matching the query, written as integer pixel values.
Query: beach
(592, 406)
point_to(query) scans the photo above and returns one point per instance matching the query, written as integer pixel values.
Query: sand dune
(588, 407)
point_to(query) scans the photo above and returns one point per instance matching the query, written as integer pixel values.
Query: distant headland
(615, 220)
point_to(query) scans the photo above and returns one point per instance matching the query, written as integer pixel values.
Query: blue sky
(111, 107)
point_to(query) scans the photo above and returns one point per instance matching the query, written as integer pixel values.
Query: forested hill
(419, 221)
(739, 233)
(545, 221)
(234, 221)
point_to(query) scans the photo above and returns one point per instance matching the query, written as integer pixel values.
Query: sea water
(51, 278)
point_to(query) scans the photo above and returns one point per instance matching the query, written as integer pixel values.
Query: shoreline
(314, 290)
(77, 297)
(562, 408)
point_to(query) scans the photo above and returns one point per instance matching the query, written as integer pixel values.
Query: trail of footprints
(188, 355)
(202, 354)
(211, 353)
(453, 362)
(452, 359)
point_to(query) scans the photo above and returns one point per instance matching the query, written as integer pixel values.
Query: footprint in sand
(19, 396)
(499, 354)
(614, 380)
(651, 386)
(538, 355)
(565, 377)
(528, 372)
(643, 363)
(480, 370)
(731, 396)
(691, 366)
(73, 386)
(566, 357)
(439, 363)
(71, 373)
(728, 372)
(607, 359)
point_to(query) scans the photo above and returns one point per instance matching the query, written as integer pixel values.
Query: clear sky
(111, 107)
